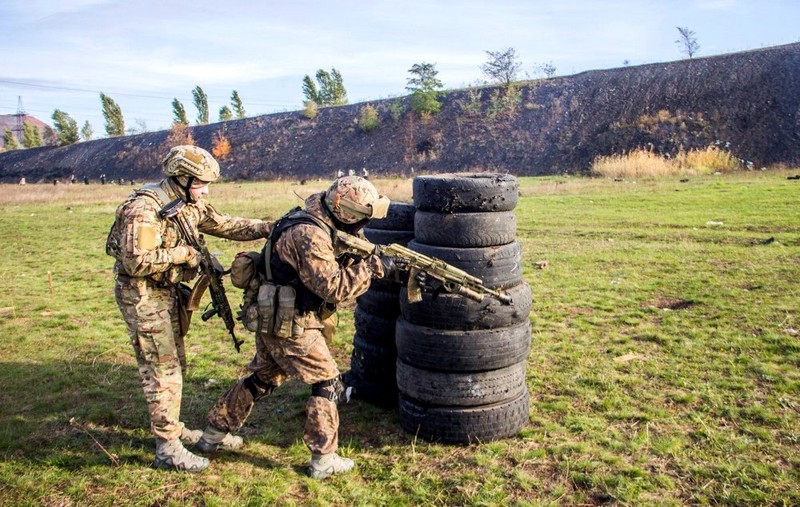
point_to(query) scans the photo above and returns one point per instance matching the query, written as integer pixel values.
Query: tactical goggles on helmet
(377, 209)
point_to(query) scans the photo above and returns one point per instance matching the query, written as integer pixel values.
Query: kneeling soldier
(290, 303)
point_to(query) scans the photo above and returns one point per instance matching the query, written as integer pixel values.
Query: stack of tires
(374, 358)
(461, 364)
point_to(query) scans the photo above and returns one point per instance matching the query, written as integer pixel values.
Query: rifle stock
(453, 280)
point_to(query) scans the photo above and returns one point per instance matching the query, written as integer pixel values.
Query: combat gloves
(185, 255)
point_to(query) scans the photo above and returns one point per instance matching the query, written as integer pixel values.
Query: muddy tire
(461, 389)
(498, 266)
(465, 230)
(374, 328)
(451, 311)
(465, 192)
(462, 351)
(464, 425)
(399, 217)
(372, 362)
(381, 303)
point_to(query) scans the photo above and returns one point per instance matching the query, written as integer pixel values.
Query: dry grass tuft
(646, 164)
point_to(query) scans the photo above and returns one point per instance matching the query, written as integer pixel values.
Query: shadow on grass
(83, 414)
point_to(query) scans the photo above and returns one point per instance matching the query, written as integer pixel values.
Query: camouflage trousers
(151, 315)
(305, 357)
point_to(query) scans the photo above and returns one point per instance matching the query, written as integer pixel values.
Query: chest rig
(279, 272)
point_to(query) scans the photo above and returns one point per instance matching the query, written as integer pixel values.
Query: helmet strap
(187, 197)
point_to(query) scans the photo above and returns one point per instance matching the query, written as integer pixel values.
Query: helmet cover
(353, 198)
(188, 160)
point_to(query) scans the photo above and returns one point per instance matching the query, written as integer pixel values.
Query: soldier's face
(198, 189)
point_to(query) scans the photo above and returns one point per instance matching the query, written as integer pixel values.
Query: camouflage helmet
(188, 160)
(353, 198)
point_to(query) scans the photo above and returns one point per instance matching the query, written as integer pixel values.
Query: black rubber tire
(374, 328)
(462, 351)
(451, 311)
(498, 266)
(464, 425)
(373, 362)
(381, 303)
(385, 237)
(399, 217)
(465, 230)
(461, 389)
(380, 395)
(466, 192)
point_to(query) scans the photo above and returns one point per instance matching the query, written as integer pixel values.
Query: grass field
(664, 368)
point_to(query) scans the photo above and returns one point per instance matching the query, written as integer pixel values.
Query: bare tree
(547, 69)
(502, 66)
(687, 41)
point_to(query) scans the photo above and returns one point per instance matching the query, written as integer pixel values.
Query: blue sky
(143, 53)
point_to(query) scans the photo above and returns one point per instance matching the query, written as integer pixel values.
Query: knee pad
(334, 390)
(257, 387)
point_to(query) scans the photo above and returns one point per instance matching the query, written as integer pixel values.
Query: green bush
(368, 118)
(425, 102)
(396, 109)
(310, 109)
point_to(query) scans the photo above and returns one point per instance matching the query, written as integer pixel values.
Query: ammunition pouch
(244, 268)
(265, 309)
(284, 316)
(276, 312)
(250, 318)
(244, 274)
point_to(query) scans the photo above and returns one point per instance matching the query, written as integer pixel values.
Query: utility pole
(20, 116)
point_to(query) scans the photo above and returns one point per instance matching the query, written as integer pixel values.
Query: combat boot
(325, 465)
(190, 437)
(174, 456)
(218, 440)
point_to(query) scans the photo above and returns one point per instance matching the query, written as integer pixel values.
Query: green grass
(664, 367)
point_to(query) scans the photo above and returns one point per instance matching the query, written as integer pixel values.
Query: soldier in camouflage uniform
(301, 254)
(151, 260)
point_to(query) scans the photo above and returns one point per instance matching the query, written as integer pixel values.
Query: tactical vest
(282, 273)
(113, 241)
(151, 190)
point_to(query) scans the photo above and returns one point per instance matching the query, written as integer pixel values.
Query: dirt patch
(670, 303)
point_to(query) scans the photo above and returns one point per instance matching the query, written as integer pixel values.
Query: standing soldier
(152, 258)
(303, 276)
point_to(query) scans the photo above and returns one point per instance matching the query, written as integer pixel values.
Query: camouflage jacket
(144, 244)
(310, 251)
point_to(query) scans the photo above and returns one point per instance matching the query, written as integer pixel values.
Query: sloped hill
(9, 122)
(745, 101)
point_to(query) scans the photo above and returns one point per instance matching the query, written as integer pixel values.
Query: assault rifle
(422, 267)
(211, 272)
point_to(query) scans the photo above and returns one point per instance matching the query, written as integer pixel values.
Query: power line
(31, 84)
